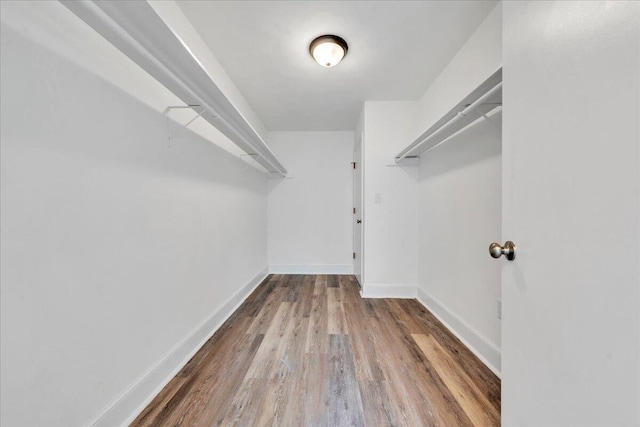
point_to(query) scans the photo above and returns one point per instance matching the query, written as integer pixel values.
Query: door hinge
(354, 255)
(353, 164)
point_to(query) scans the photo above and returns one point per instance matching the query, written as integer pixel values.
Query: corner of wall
(132, 401)
(386, 290)
(478, 58)
(312, 269)
(487, 352)
(171, 13)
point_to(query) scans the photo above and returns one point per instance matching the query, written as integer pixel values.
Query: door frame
(359, 144)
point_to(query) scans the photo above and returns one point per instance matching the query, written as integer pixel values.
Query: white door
(358, 215)
(571, 190)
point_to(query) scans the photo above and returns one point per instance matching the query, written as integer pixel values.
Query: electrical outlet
(500, 309)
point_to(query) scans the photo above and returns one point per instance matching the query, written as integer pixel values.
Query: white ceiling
(396, 49)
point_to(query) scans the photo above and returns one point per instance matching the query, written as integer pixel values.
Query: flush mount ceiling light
(328, 50)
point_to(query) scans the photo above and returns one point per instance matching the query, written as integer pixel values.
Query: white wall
(309, 215)
(393, 227)
(117, 245)
(460, 202)
(478, 58)
(390, 227)
(174, 18)
(460, 214)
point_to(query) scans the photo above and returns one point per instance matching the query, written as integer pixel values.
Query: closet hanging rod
(426, 140)
(480, 101)
(473, 107)
(139, 32)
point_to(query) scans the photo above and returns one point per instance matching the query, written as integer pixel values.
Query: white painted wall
(116, 245)
(390, 226)
(309, 215)
(460, 202)
(478, 58)
(174, 18)
(393, 227)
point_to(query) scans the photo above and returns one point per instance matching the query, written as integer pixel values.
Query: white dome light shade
(328, 50)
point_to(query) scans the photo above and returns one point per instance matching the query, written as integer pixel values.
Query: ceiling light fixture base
(328, 50)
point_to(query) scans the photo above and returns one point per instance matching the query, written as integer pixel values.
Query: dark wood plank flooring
(308, 351)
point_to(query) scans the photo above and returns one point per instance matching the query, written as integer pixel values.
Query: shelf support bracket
(487, 118)
(166, 112)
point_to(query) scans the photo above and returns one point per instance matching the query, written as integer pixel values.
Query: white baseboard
(385, 290)
(132, 401)
(312, 269)
(486, 351)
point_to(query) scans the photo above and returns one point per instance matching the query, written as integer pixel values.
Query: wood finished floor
(307, 350)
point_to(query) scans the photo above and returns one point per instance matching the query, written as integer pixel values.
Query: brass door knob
(508, 250)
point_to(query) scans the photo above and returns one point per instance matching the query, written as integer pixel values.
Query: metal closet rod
(474, 105)
(215, 115)
(206, 107)
(115, 31)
